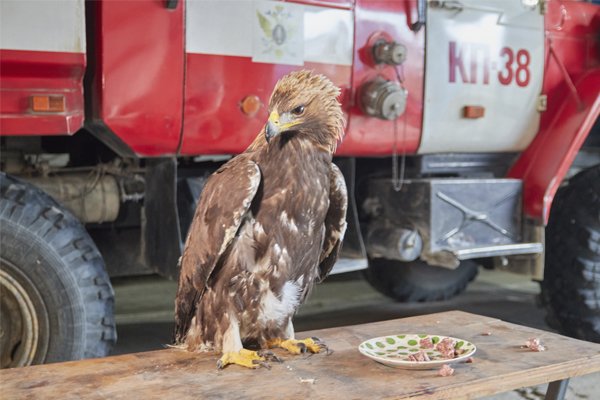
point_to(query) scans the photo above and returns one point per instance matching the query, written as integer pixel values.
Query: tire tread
(34, 210)
(571, 286)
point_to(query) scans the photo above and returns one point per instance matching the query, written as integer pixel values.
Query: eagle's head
(305, 104)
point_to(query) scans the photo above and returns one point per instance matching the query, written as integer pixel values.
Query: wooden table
(500, 364)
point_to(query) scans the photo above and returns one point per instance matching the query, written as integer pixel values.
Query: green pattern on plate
(395, 350)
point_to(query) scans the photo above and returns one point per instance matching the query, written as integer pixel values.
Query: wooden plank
(500, 365)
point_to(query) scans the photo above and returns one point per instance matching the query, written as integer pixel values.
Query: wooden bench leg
(557, 390)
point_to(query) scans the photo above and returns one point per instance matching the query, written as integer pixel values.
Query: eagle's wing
(335, 221)
(224, 202)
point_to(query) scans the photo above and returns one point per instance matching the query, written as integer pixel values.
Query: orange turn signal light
(47, 103)
(250, 105)
(473, 112)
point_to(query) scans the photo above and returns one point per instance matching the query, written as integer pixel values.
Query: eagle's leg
(293, 346)
(234, 352)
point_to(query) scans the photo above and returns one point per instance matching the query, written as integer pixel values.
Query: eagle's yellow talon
(245, 358)
(294, 346)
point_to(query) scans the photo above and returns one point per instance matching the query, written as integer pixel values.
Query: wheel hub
(20, 337)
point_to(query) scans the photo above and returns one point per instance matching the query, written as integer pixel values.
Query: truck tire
(417, 281)
(56, 297)
(571, 285)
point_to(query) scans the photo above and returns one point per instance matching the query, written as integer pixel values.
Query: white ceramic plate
(394, 350)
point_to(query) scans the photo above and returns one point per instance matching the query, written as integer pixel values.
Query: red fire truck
(469, 141)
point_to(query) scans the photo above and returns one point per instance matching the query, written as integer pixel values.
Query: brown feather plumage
(268, 225)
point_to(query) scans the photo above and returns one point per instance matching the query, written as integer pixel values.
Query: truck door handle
(171, 4)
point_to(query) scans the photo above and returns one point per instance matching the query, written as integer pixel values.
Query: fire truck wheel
(55, 296)
(571, 286)
(417, 281)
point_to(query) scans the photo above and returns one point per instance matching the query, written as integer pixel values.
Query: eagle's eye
(298, 110)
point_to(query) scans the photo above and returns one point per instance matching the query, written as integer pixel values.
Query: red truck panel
(139, 65)
(572, 84)
(215, 87)
(27, 73)
(368, 136)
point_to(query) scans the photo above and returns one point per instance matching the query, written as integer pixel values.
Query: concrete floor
(144, 314)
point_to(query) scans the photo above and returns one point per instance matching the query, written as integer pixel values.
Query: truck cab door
(137, 71)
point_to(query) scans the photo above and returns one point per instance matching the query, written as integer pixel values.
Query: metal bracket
(161, 232)
(542, 103)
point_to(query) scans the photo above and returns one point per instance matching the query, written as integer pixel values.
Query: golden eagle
(269, 224)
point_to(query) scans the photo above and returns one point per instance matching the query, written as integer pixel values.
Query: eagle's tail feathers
(185, 309)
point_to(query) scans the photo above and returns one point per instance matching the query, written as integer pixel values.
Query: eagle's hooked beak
(272, 129)
(278, 124)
